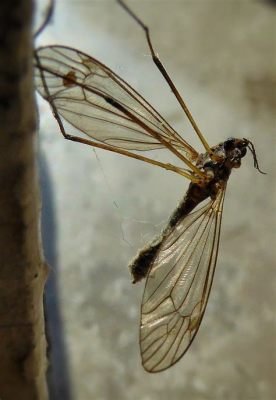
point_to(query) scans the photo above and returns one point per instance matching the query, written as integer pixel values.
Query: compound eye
(229, 144)
(243, 151)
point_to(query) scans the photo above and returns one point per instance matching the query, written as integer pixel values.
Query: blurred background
(99, 208)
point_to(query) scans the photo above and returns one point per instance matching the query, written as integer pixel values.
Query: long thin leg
(47, 18)
(163, 71)
(92, 143)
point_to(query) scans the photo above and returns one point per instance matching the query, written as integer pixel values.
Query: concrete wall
(100, 208)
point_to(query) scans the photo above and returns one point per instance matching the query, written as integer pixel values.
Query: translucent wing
(178, 286)
(100, 104)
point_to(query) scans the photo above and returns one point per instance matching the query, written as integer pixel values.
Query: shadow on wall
(272, 2)
(58, 373)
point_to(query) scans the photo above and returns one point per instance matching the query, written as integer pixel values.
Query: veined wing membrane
(89, 95)
(178, 286)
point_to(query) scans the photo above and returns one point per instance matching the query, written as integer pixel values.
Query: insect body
(179, 265)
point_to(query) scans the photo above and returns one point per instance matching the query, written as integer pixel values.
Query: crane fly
(178, 265)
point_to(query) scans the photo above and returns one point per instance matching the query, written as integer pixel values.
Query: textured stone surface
(221, 55)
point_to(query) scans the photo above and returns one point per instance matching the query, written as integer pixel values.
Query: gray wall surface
(221, 56)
